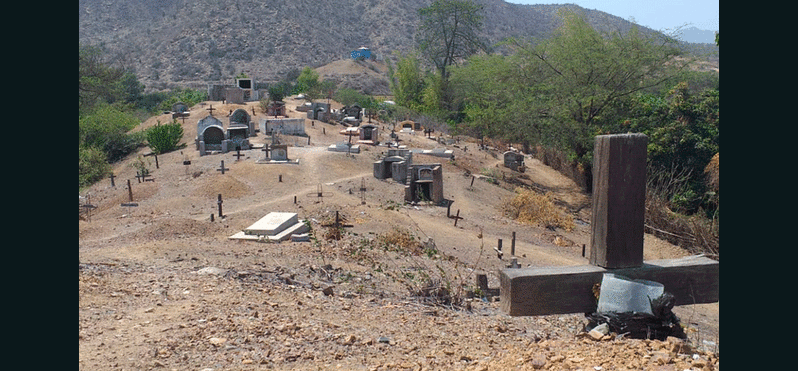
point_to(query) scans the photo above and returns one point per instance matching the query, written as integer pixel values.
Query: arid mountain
(170, 43)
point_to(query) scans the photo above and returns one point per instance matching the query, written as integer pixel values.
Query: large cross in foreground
(616, 246)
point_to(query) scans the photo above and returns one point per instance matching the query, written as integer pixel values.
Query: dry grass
(533, 208)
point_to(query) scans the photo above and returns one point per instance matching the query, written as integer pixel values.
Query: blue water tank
(361, 53)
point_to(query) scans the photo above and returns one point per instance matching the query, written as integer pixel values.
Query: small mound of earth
(173, 228)
(228, 185)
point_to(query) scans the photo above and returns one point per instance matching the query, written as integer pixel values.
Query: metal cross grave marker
(222, 168)
(619, 176)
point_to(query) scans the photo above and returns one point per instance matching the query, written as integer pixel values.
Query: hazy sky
(660, 15)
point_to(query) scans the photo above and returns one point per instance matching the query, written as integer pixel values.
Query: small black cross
(238, 154)
(141, 176)
(112, 176)
(222, 168)
(211, 109)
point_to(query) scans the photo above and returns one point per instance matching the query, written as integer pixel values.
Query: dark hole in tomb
(387, 169)
(245, 84)
(213, 135)
(424, 191)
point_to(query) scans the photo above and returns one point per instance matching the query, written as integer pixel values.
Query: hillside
(161, 285)
(193, 43)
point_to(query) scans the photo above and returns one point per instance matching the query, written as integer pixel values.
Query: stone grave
(437, 152)
(179, 110)
(210, 136)
(394, 165)
(369, 134)
(274, 227)
(239, 130)
(616, 245)
(514, 160)
(344, 147)
(289, 126)
(424, 183)
(319, 111)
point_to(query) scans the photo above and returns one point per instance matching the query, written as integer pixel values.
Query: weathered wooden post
(619, 172)
(619, 200)
(219, 202)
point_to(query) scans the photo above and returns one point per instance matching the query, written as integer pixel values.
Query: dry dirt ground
(161, 286)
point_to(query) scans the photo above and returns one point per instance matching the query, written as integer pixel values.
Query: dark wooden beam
(619, 200)
(561, 290)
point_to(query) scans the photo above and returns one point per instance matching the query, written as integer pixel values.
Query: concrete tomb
(210, 135)
(234, 96)
(290, 126)
(437, 152)
(514, 160)
(319, 111)
(247, 87)
(344, 147)
(369, 134)
(424, 183)
(394, 165)
(240, 129)
(275, 227)
(180, 109)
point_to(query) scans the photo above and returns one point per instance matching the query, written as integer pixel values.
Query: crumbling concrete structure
(514, 160)
(394, 165)
(424, 183)
(288, 126)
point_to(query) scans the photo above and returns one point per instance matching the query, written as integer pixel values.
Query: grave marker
(222, 168)
(616, 245)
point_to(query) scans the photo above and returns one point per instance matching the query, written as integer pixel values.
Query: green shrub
(164, 138)
(92, 165)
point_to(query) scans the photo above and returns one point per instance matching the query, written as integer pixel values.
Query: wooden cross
(619, 184)
(222, 168)
(238, 154)
(319, 194)
(112, 176)
(142, 176)
(156, 158)
(211, 109)
(362, 191)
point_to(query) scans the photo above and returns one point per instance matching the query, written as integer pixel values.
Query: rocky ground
(161, 286)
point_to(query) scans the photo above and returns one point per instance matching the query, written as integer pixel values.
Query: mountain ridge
(181, 43)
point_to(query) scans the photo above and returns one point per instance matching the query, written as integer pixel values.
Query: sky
(659, 15)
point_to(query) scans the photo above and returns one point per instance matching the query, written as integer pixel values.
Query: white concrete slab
(272, 224)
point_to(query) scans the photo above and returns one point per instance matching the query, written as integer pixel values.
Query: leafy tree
(97, 79)
(569, 88)
(280, 90)
(164, 138)
(683, 128)
(407, 81)
(106, 129)
(92, 165)
(307, 80)
(448, 33)
(348, 96)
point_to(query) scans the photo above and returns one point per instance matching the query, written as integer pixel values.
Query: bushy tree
(164, 138)
(92, 165)
(307, 81)
(407, 81)
(106, 129)
(449, 32)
